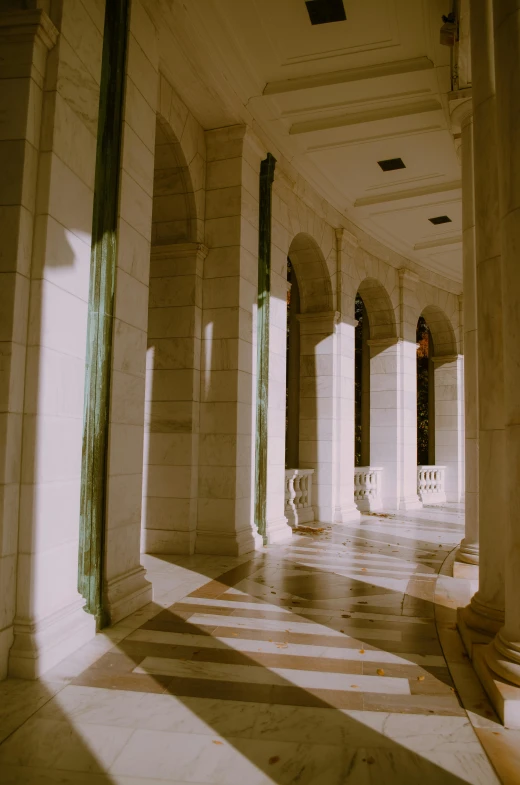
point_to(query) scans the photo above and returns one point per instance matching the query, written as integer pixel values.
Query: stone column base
(40, 645)
(220, 543)
(410, 503)
(470, 637)
(347, 514)
(278, 531)
(504, 696)
(127, 593)
(468, 553)
(168, 542)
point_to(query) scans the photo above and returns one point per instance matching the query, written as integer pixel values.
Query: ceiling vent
(321, 12)
(391, 163)
(440, 219)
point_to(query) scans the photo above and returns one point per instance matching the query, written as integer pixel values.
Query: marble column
(346, 510)
(449, 422)
(385, 416)
(408, 390)
(462, 118)
(503, 656)
(486, 610)
(318, 407)
(171, 439)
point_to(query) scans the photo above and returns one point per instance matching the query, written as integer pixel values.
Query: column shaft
(504, 655)
(486, 611)
(469, 549)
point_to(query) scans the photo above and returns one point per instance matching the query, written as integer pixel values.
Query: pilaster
(407, 406)
(229, 298)
(171, 444)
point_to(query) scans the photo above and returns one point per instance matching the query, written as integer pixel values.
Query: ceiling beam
(440, 243)
(411, 193)
(348, 75)
(369, 116)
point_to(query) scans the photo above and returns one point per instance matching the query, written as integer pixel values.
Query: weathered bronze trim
(101, 310)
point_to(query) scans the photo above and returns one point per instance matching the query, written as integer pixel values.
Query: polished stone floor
(317, 663)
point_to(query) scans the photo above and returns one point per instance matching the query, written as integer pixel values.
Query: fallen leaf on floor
(380, 672)
(274, 759)
(361, 651)
(420, 678)
(354, 686)
(217, 742)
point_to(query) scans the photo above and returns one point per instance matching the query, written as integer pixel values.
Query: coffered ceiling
(336, 99)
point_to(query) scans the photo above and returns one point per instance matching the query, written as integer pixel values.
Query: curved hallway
(315, 662)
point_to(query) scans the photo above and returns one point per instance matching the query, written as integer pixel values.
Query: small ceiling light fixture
(440, 219)
(392, 163)
(322, 12)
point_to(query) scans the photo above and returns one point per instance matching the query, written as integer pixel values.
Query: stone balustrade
(298, 496)
(367, 488)
(431, 486)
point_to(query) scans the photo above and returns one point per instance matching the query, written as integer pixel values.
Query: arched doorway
(377, 459)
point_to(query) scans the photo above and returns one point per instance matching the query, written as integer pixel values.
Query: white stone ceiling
(335, 99)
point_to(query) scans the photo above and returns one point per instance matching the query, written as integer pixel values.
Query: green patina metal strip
(264, 296)
(101, 309)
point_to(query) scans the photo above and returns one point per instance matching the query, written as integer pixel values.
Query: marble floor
(317, 663)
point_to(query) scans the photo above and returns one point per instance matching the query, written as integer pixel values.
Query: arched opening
(309, 384)
(440, 419)
(376, 475)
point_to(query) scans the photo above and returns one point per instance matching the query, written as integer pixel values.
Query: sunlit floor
(317, 662)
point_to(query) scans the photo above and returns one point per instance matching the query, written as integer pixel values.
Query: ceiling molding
(428, 129)
(376, 100)
(348, 75)
(440, 243)
(411, 193)
(369, 116)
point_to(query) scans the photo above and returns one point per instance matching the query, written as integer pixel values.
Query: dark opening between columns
(425, 395)
(362, 384)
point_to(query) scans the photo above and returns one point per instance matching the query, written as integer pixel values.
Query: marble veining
(305, 663)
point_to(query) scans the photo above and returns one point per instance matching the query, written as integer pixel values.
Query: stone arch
(179, 172)
(381, 315)
(446, 416)
(442, 331)
(313, 275)
(169, 510)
